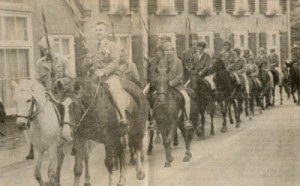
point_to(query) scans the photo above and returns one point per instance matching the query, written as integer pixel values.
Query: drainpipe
(288, 21)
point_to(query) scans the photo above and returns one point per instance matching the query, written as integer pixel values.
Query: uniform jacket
(262, 62)
(175, 71)
(61, 70)
(186, 58)
(274, 60)
(238, 66)
(227, 58)
(130, 70)
(107, 58)
(252, 69)
(201, 63)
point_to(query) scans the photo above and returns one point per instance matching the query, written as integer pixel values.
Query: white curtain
(205, 4)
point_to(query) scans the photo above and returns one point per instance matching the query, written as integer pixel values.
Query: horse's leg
(132, 160)
(121, 154)
(202, 113)
(87, 169)
(273, 95)
(175, 141)
(224, 111)
(167, 146)
(52, 163)
(150, 147)
(37, 167)
(212, 112)
(79, 145)
(188, 136)
(109, 154)
(157, 138)
(229, 111)
(140, 174)
(298, 95)
(60, 160)
(238, 112)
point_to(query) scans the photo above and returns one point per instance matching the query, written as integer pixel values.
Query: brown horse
(294, 79)
(168, 114)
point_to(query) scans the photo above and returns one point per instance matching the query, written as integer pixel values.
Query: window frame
(18, 45)
(173, 39)
(170, 9)
(117, 41)
(236, 6)
(115, 10)
(277, 45)
(237, 41)
(211, 8)
(277, 9)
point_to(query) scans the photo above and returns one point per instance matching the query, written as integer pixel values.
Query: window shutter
(218, 5)
(284, 46)
(180, 44)
(283, 5)
(134, 5)
(152, 4)
(152, 44)
(263, 6)
(252, 43)
(79, 54)
(103, 5)
(179, 5)
(231, 39)
(218, 43)
(263, 40)
(193, 6)
(137, 54)
(251, 6)
(229, 6)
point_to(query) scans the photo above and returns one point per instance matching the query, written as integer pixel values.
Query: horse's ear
(14, 84)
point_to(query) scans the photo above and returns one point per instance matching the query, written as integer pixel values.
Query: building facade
(246, 23)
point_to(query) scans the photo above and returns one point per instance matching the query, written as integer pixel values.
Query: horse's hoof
(57, 184)
(212, 132)
(231, 121)
(167, 164)
(170, 159)
(30, 157)
(175, 142)
(115, 167)
(250, 118)
(132, 162)
(87, 184)
(149, 152)
(187, 157)
(48, 184)
(142, 157)
(140, 175)
(260, 112)
(224, 129)
(157, 139)
(237, 125)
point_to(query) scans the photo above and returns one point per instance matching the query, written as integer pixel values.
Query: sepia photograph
(149, 92)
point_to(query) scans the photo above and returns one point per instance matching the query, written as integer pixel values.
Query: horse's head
(2, 112)
(162, 83)
(25, 102)
(217, 64)
(193, 81)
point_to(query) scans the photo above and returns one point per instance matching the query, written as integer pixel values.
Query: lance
(48, 44)
(190, 33)
(112, 29)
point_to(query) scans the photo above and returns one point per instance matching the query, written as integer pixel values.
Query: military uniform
(252, 71)
(61, 72)
(263, 63)
(227, 57)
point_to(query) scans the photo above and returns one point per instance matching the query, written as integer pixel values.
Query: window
(273, 41)
(241, 7)
(241, 40)
(205, 7)
(16, 57)
(273, 7)
(208, 37)
(166, 7)
(119, 7)
(64, 45)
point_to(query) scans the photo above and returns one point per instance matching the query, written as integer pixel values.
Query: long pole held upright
(47, 40)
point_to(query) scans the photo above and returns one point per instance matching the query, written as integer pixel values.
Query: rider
(263, 63)
(201, 64)
(238, 68)
(51, 73)
(186, 58)
(227, 56)
(274, 65)
(105, 62)
(247, 54)
(252, 70)
(175, 74)
(128, 69)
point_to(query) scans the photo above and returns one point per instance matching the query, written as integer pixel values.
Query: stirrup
(188, 124)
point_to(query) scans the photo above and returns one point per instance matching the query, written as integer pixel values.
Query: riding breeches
(280, 75)
(187, 102)
(238, 81)
(210, 80)
(246, 83)
(120, 96)
(271, 79)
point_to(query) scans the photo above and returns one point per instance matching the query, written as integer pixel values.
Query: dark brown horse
(228, 93)
(168, 114)
(266, 88)
(95, 114)
(294, 79)
(206, 100)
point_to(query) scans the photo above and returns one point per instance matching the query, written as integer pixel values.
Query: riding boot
(30, 156)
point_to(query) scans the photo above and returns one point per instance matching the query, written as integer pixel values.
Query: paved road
(265, 151)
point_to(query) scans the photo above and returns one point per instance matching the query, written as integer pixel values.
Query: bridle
(32, 114)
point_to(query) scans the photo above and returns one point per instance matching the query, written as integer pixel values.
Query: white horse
(45, 132)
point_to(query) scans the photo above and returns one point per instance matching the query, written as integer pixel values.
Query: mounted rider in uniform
(175, 74)
(274, 65)
(201, 64)
(263, 63)
(252, 70)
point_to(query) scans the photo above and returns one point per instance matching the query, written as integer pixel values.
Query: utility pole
(288, 17)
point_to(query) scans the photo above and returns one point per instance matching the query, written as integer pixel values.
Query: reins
(32, 114)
